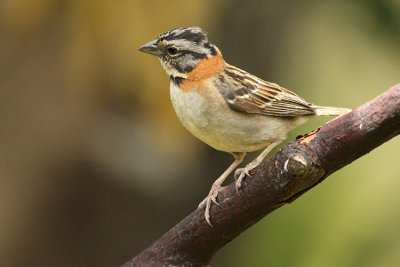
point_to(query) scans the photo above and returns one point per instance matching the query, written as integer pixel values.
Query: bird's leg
(216, 187)
(242, 172)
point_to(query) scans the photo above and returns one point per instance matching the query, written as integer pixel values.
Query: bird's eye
(172, 51)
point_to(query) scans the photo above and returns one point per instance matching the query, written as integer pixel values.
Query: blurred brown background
(94, 165)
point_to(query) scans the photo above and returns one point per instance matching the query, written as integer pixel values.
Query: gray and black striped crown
(189, 37)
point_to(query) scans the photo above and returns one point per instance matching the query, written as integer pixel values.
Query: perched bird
(228, 108)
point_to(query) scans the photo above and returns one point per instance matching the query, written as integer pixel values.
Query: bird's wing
(245, 92)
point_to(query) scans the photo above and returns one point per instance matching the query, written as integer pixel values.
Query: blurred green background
(94, 165)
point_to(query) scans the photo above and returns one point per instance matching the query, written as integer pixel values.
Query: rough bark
(293, 170)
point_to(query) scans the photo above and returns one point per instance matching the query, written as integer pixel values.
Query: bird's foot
(241, 173)
(211, 198)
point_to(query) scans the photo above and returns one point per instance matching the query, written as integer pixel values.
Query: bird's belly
(215, 123)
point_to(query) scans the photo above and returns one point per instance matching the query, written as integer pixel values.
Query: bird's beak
(150, 48)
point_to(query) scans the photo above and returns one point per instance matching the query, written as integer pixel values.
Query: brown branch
(292, 171)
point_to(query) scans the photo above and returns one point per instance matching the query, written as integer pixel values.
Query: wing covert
(247, 93)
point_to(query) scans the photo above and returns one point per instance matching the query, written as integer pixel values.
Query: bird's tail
(329, 111)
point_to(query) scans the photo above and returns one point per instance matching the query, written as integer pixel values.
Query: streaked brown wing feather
(246, 92)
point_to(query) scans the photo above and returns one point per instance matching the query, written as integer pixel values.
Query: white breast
(191, 109)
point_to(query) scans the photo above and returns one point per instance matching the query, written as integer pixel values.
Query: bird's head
(180, 50)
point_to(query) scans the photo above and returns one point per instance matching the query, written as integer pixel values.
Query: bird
(224, 106)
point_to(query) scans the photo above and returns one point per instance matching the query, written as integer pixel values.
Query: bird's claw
(239, 175)
(211, 198)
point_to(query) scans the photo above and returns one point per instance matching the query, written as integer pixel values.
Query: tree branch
(293, 170)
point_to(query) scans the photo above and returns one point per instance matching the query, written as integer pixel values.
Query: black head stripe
(167, 36)
(192, 53)
(210, 47)
(189, 35)
(193, 34)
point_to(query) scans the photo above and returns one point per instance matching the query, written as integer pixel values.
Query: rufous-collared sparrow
(224, 106)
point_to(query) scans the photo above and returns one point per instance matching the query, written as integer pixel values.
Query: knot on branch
(305, 170)
(296, 165)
